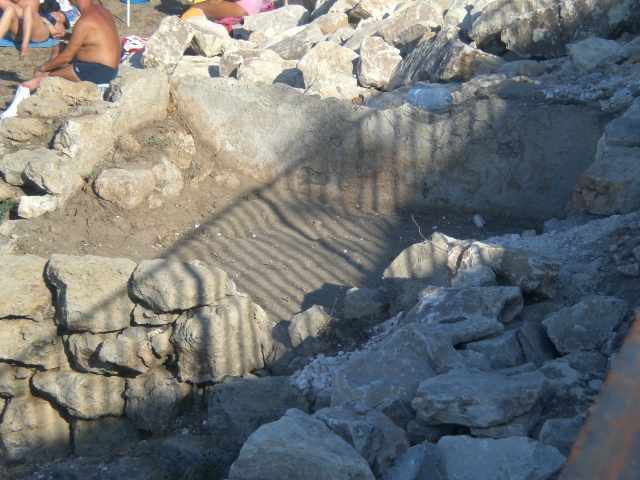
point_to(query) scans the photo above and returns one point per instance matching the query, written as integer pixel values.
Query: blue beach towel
(8, 42)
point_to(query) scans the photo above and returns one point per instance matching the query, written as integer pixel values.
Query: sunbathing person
(219, 9)
(32, 27)
(19, 5)
(93, 51)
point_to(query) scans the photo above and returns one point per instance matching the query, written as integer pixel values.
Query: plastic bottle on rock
(430, 98)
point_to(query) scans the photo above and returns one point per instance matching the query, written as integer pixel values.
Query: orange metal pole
(608, 447)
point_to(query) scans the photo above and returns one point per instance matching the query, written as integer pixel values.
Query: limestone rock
(421, 264)
(369, 29)
(338, 85)
(545, 29)
(536, 345)
(476, 276)
(9, 192)
(167, 178)
(477, 399)
(434, 346)
(21, 129)
(520, 426)
(167, 44)
(31, 343)
(411, 21)
(36, 206)
(13, 165)
(32, 429)
(53, 174)
(566, 393)
(443, 58)
(154, 399)
(24, 292)
(181, 150)
(587, 54)
(209, 38)
(503, 351)
(360, 302)
(420, 461)
(516, 458)
(169, 285)
(83, 395)
(84, 349)
(132, 88)
(85, 139)
(371, 9)
(14, 380)
(298, 447)
(126, 188)
(331, 22)
(218, 340)
(586, 325)
(91, 292)
(260, 71)
(377, 60)
(296, 46)
(263, 25)
(234, 413)
(96, 438)
(232, 59)
(306, 327)
(371, 433)
(444, 305)
(326, 59)
(137, 349)
(71, 93)
(34, 106)
(373, 376)
(610, 186)
(560, 433)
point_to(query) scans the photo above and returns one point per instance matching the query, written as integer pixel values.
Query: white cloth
(12, 111)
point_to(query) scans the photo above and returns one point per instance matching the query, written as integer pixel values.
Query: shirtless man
(93, 51)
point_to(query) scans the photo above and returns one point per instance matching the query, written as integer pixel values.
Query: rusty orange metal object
(608, 447)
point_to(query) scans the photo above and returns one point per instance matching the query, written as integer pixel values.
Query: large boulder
(544, 28)
(298, 447)
(167, 44)
(32, 429)
(24, 291)
(372, 377)
(444, 58)
(219, 340)
(516, 458)
(586, 325)
(169, 285)
(371, 433)
(31, 343)
(83, 395)
(91, 292)
(476, 399)
(447, 305)
(155, 398)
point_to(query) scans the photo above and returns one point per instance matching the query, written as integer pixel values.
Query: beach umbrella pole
(128, 11)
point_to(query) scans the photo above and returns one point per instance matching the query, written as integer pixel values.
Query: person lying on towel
(32, 27)
(93, 51)
(219, 9)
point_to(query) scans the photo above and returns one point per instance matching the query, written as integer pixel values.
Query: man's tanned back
(101, 42)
